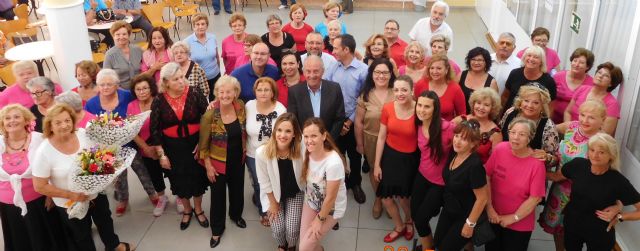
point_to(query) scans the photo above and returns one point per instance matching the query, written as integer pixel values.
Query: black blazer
(331, 105)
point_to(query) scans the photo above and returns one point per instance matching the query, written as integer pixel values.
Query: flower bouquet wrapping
(111, 129)
(95, 169)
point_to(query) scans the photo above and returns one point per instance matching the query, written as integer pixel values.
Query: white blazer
(269, 176)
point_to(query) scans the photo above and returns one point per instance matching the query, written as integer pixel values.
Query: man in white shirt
(314, 45)
(428, 26)
(504, 60)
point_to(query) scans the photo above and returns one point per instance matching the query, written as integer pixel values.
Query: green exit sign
(575, 22)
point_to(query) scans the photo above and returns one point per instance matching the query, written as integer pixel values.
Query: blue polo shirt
(205, 54)
(351, 79)
(248, 77)
(101, 5)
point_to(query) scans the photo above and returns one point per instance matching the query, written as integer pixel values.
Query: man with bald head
(317, 97)
(256, 68)
(315, 46)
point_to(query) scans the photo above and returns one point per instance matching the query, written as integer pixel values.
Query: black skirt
(39, 229)
(398, 172)
(187, 177)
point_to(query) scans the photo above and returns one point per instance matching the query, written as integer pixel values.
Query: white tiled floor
(358, 230)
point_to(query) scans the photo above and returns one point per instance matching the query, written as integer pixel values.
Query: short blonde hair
(527, 90)
(199, 16)
(26, 114)
(596, 106)
(440, 38)
(539, 52)
(487, 93)
(181, 45)
(119, 25)
(413, 44)
(56, 110)
(334, 23)
(227, 80)
(22, 65)
(610, 144)
(272, 85)
(330, 5)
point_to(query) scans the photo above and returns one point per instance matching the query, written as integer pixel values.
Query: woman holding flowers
(52, 163)
(28, 223)
(175, 127)
(223, 140)
(113, 100)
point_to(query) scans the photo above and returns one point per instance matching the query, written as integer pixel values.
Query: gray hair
(70, 98)
(313, 57)
(273, 17)
(538, 51)
(167, 72)
(183, 45)
(107, 73)
(441, 4)
(528, 123)
(508, 35)
(43, 82)
(23, 65)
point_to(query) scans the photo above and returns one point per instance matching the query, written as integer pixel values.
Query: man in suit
(317, 97)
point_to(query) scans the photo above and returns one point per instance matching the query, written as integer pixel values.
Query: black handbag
(482, 232)
(105, 15)
(95, 45)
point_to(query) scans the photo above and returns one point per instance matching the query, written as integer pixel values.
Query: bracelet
(163, 157)
(161, 154)
(515, 216)
(470, 224)
(619, 216)
(322, 219)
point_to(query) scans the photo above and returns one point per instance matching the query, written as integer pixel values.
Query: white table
(36, 51)
(106, 26)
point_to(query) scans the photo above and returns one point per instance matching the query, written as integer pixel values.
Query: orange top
(402, 135)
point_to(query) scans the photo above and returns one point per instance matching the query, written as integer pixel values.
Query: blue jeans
(284, 2)
(227, 5)
(251, 166)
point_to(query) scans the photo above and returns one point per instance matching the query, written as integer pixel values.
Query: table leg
(40, 67)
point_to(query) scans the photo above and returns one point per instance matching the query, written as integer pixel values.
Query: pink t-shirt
(613, 108)
(246, 59)
(231, 51)
(514, 180)
(145, 131)
(299, 35)
(87, 117)
(149, 58)
(564, 94)
(16, 95)
(428, 168)
(21, 164)
(551, 57)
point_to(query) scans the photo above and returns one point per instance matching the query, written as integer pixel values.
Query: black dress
(468, 91)
(187, 177)
(38, 230)
(516, 79)
(276, 51)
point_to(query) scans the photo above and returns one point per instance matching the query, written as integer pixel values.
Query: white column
(68, 32)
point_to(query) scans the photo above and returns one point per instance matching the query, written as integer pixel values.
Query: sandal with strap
(205, 222)
(408, 234)
(185, 225)
(127, 246)
(264, 220)
(389, 239)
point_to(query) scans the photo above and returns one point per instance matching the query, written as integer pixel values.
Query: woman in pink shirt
(440, 79)
(540, 37)
(249, 41)
(568, 81)
(297, 27)
(517, 185)
(74, 101)
(434, 140)
(608, 78)
(158, 52)
(17, 92)
(28, 223)
(233, 45)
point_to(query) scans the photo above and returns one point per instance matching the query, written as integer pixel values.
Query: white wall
(499, 19)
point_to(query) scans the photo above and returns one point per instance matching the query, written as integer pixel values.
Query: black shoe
(365, 166)
(228, 11)
(240, 223)
(217, 12)
(213, 242)
(185, 225)
(358, 194)
(205, 222)
(336, 226)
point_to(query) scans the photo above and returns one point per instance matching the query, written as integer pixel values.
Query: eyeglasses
(385, 73)
(38, 94)
(142, 89)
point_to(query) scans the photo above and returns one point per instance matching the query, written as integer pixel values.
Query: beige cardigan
(269, 177)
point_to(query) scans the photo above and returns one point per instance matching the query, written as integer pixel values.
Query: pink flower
(108, 158)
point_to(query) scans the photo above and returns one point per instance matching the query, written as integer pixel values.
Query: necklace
(283, 156)
(21, 148)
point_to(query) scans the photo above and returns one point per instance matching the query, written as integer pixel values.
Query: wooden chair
(22, 11)
(6, 74)
(199, 3)
(143, 45)
(154, 13)
(180, 10)
(16, 29)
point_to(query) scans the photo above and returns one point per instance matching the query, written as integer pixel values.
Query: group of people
(308, 115)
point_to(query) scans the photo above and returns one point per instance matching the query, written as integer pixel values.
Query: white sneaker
(179, 205)
(162, 204)
(282, 7)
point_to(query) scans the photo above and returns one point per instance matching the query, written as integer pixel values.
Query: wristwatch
(470, 224)
(619, 216)
(322, 219)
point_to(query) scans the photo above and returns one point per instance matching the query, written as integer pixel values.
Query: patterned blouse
(197, 78)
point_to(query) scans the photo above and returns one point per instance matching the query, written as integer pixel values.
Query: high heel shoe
(408, 234)
(185, 225)
(205, 222)
(388, 238)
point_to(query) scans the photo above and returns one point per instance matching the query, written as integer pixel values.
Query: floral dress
(572, 146)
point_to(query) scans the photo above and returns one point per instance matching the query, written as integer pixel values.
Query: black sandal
(205, 222)
(185, 225)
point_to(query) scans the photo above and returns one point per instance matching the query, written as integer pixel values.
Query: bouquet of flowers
(111, 129)
(95, 169)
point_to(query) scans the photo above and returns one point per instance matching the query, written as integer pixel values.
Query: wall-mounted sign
(575, 22)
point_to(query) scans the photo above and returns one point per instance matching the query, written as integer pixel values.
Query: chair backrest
(22, 11)
(6, 74)
(153, 12)
(14, 28)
